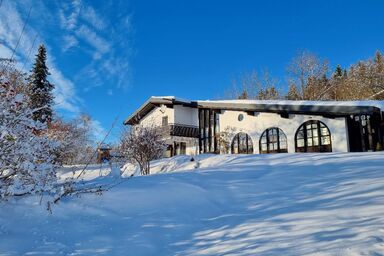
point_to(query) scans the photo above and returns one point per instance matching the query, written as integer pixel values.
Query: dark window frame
(208, 130)
(313, 136)
(238, 141)
(164, 121)
(182, 148)
(267, 141)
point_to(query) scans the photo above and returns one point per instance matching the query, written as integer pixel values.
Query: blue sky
(108, 57)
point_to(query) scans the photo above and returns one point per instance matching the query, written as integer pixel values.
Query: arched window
(242, 144)
(313, 136)
(273, 140)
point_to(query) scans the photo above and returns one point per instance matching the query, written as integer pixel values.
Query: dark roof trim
(292, 109)
(324, 110)
(153, 102)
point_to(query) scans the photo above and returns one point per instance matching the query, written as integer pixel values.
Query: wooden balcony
(180, 130)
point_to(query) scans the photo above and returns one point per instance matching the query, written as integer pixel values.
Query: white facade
(155, 117)
(174, 115)
(186, 115)
(254, 126)
(196, 125)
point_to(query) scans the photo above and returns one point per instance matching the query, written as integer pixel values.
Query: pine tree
(323, 87)
(269, 93)
(243, 95)
(293, 93)
(40, 89)
(336, 84)
(379, 59)
(27, 162)
(345, 74)
(338, 72)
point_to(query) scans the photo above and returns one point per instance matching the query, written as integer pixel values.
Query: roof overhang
(328, 110)
(152, 103)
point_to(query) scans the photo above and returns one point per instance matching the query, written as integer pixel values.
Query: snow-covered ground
(282, 204)
(91, 171)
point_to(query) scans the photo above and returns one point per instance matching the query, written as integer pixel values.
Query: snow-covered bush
(26, 153)
(142, 144)
(225, 139)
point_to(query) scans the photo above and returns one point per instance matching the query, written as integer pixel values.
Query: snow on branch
(141, 145)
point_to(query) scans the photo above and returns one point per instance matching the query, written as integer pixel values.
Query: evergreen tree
(269, 93)
(336, 84)
(243, 95)
(293, 93)
(40, 89)
(27, 162)
(378, 75)
(338, 72)
(379, 59)
(345, 74)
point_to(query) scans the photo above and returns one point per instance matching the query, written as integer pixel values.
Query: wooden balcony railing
(180, 130)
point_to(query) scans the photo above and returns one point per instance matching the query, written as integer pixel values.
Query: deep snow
(281, 204)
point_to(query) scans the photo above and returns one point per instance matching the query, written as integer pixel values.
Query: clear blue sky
(108, 57)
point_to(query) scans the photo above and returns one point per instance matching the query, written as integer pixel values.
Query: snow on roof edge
(170, 98)
(367, 103)
(371, 103)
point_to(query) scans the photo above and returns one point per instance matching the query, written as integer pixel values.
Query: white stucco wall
(154, 118)
(252, 125)
(191, 143)
(186, 115)
(179, 115)
(256, 125)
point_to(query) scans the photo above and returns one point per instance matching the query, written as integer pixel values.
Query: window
(313, 136)
(209, 128)
(211, 132)
(183, 148)
(240, 117)
(242, 144)
(273, 140)
(169, 151)
(164, 121)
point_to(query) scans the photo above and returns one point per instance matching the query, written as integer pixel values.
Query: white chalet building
(256, 127)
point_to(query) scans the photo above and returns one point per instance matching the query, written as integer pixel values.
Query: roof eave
(150, 104)
(292, 109)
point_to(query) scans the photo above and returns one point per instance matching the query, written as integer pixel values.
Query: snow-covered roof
(153, 102)
(334, 108)
(362, 103)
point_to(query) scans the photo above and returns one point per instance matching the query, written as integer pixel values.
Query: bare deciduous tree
(309, 79)
(224, 139)
(306, 72)
(142, 144)
(254, 86)
(74, 137)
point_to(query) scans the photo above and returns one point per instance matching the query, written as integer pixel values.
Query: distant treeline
(310, 78)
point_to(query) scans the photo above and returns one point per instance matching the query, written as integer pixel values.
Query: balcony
(181, 130)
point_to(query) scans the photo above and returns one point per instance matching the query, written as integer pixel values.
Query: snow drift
(282, 204)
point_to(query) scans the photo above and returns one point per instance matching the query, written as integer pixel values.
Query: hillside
(282, 204)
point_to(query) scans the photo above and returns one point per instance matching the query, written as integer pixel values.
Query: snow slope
(282, 204)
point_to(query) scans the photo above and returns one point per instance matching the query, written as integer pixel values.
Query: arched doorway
(313, 136)
(242, 144)
(273, 140)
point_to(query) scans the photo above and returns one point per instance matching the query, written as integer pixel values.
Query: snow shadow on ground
(285, 204)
